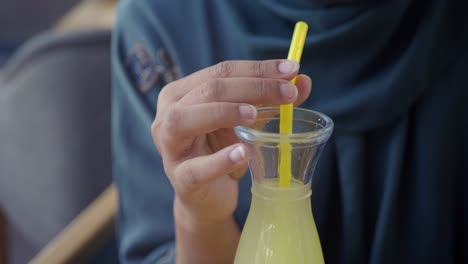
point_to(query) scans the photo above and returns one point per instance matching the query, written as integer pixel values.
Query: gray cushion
(20, 19)
(54, 131)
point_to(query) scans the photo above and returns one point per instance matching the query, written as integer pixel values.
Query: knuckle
(155, 127)
(166, 93)
(156, 135)
(212, 90)
(220, 112)
(258, 69)
(189, 178)
(169, 94)
(172, 119)
(223, 69)
(261, 87)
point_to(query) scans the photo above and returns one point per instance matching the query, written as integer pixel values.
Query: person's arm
(145, 219)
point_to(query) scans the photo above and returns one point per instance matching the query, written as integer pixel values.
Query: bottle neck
(269, 190)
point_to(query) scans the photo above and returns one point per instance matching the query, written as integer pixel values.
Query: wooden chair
(94, 226)
(85, 235)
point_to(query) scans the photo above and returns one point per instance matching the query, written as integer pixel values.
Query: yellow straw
(286, 111)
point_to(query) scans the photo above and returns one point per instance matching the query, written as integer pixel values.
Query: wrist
(193, 222)
(202, 239)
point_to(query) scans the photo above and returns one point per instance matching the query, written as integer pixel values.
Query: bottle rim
(316, 136)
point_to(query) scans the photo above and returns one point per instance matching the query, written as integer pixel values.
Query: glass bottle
(280, 227)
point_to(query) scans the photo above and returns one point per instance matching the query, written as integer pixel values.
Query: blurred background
(55, 132)
(22, 19)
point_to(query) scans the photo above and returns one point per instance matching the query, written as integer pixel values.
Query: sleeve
(145, 219)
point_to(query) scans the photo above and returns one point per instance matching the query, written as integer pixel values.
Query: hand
(193, 130)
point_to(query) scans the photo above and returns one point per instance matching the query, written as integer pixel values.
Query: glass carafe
(280, 227)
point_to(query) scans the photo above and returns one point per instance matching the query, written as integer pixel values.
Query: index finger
(274, 69)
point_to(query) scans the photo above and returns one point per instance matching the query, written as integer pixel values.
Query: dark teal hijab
(372, 58)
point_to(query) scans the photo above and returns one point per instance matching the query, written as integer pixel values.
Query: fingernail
(237, 154)
(248, 112)
(288, 91)
(288, 66)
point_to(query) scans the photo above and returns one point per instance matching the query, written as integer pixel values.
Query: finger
(304, 87)
(254, 91)
(192, 173)
(274, 69)
(180, 123)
